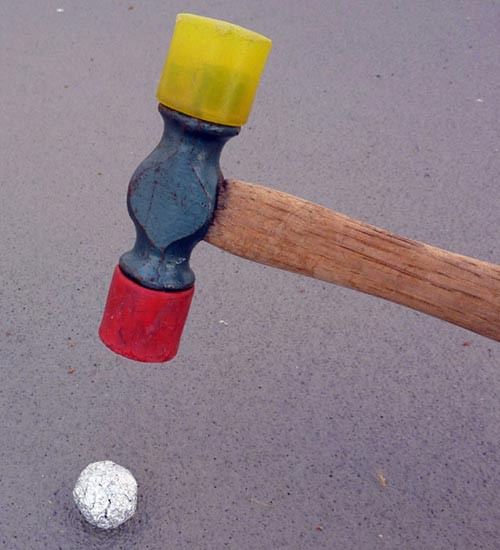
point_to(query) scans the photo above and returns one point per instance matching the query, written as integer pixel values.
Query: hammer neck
(194, 125)
(195, 141)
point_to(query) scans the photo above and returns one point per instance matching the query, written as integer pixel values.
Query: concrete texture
(278, 428)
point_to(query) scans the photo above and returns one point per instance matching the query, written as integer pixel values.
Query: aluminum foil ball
(106, 494)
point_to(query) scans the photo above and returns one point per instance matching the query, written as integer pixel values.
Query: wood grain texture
(283, 231)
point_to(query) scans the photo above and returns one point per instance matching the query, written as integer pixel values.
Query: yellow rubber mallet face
(213, 69)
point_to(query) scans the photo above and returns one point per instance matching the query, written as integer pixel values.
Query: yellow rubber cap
(212, 69)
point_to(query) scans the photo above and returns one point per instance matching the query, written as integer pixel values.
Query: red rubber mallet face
(143, 324)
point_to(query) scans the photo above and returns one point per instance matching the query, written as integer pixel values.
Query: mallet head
(206, 92)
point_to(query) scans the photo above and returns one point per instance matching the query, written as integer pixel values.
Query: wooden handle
(280, 230)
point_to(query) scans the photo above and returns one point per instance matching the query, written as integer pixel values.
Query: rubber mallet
(178, 196)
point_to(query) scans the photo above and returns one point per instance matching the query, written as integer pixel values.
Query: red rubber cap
(143, 324)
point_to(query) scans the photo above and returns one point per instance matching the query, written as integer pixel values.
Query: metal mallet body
(171, 200)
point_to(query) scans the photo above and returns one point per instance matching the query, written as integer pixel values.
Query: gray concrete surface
(272, 431)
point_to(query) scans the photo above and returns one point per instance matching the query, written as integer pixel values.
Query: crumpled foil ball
(106, 494)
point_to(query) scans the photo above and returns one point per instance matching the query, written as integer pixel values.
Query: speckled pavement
(297, 415)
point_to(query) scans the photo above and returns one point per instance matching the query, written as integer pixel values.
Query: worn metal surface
(299, 415)
(106, 494)
(171, 199)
